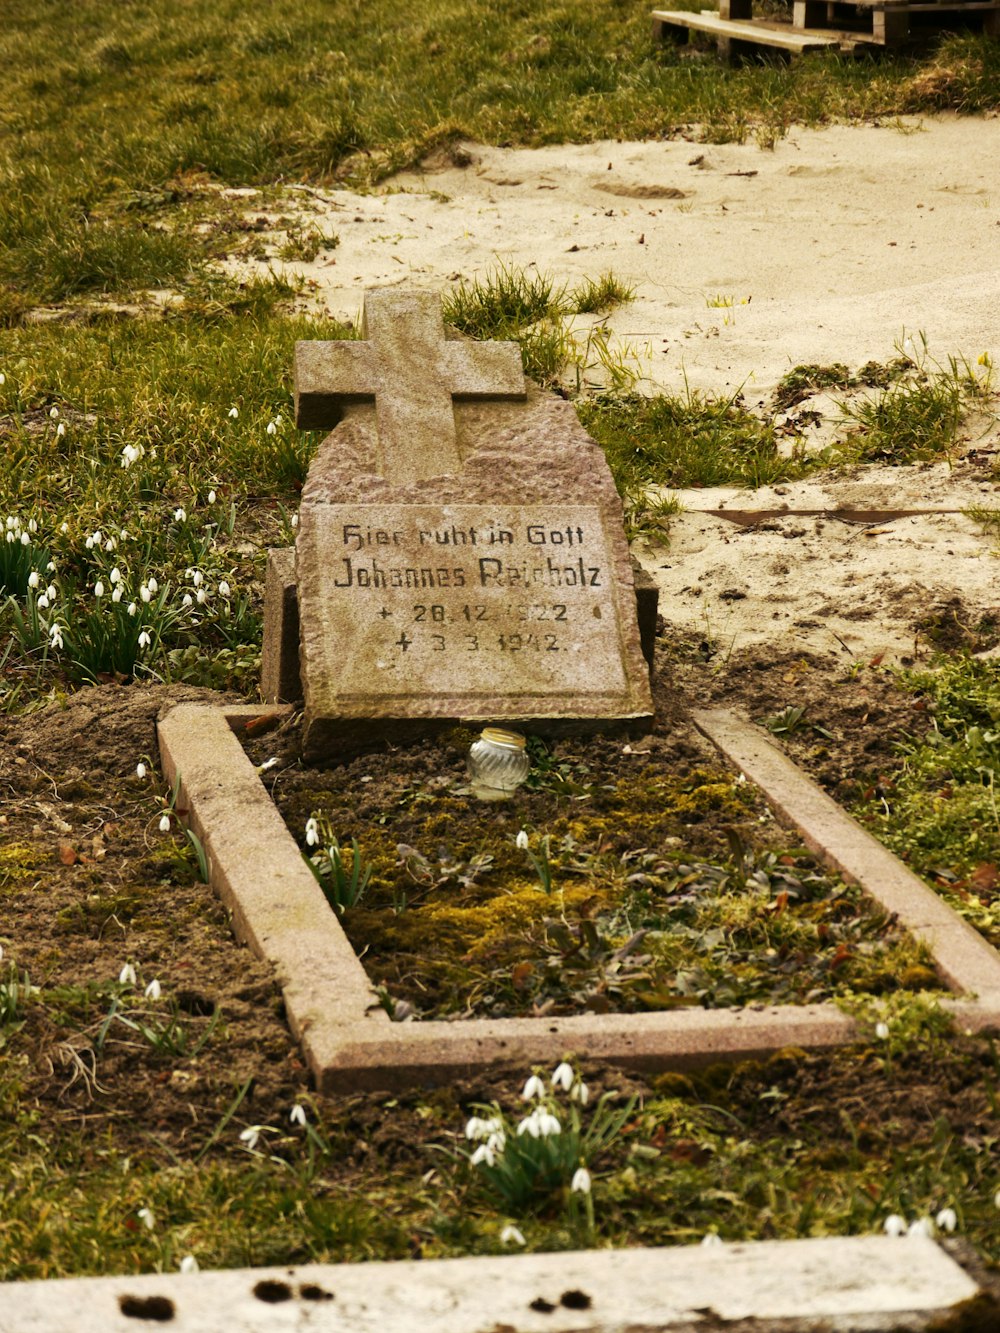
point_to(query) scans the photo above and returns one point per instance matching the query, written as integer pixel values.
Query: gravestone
(460, 554)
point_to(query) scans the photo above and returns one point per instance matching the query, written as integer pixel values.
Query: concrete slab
(859, 1283)
(347, 1038)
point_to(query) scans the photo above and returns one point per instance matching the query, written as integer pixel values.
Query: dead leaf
(67, 854)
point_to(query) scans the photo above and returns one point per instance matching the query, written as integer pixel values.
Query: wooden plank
(710, 22)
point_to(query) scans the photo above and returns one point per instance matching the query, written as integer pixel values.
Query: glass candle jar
(498, 763)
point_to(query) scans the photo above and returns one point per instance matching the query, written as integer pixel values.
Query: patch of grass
(941, 813)
(688, 440)
(597, 296)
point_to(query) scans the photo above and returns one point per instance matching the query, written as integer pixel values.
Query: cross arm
(327, 376)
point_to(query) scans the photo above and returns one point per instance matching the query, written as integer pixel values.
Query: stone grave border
(351, 1044)
(865, 1283)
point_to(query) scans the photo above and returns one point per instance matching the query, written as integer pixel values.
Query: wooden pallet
(817, 25)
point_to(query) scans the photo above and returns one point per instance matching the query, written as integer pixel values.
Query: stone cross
(413, 374)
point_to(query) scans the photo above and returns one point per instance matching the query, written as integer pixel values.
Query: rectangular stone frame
(348, 1039)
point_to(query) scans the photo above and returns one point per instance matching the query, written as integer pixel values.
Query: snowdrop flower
(164, 823)
(140, 770)
(294, 521)
(533, 1088)
(116, 595)
(562, 1076)
(882, 1031)
(98, 589)
(234, 413)
(579, 1092)
(54, 413)
(43, 603)
(511, 1235)
(144, 639)
(25, 539)
(33, 580)
(476, 1128)
(144, 592)
(60, 431)
(3, 378)
(115, 576)
(133, 610)
(211, 497)
(521, 841)
(153, 990)
(947, 1219)
(312, 832)
(55, 637)
(484, 1153)
(201, 597)
(153, 585)
(145, 1216)
(180, 516)
(540, 1124)
(297, 1115)
(923, 1226)
(224, 588)
(272, 429)
(710, 1239)
(64, 528)
(580, 1184)
(894, 1225)
(197, 577)
(50, 592)
(187, 600)
(251, 1136)
(126, 977)
(189, 1264)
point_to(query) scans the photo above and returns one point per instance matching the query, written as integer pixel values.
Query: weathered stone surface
(868, 1284)
(500, 590)
(411, 374)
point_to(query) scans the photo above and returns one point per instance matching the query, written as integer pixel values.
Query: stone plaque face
(462, 610)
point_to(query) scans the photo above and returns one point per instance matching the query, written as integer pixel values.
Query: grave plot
(349, 1040)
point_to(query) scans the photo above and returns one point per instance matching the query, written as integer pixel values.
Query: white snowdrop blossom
(484, 1153)
(521, 841)
(180, 516)
(540, 1124)
(201, 597)
(533, 1088)
(126, 976)
(60, 430)
(579, 1092)
(64, 528)
(164, 824)
(144, 639)
(55, 637)
(710, 1239)
(234, 413)
(140, 770)
(3, 378)
(131, 454)
(144, 593)
(189, 1264)
(50, 592)
(145, 1216)
(98, 589)
(512, 1235)
(153, 991)
(312, 833)
(197, 577)
(116, 594)
(132, 609)
(581, 1182)
(115, 576)
(33, 579)
(894, 1225)
(294, 520)
(923, 1226)
(477, 1128)
(224, 588)
(43, 602)
(25, 539)
(187, 600)
(297, 1115)
(211, 497)
(562, 1076)
(54, 413)
(272, 429)
(251, 1136)
(882, 1031)
(947, 1219)
(153, 585)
